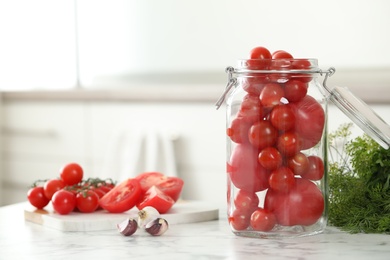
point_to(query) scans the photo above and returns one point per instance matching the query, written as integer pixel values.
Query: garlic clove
(146, 215)
(157, 227)
(127, 227)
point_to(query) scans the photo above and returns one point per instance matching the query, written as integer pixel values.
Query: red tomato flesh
(171, 186)
(155, 198)
(122, 197)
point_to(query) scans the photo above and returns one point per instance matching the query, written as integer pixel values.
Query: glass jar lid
(362, 115)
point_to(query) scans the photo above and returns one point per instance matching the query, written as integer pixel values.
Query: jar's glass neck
(277, 65)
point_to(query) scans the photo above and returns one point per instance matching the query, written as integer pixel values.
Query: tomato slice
(171, 186)
(155, 198)
(122, 197)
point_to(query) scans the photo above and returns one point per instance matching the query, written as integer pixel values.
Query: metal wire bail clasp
(231, 82)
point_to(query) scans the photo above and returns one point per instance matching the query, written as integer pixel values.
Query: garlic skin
(127, 227)
(146, 215)
(157, 227)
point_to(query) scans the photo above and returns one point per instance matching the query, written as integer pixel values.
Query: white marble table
(206, 240)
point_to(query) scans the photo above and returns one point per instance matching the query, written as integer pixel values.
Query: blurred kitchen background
(127, 86)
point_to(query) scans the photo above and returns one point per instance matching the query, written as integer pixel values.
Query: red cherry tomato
(239, 219)
(271, 95)
(263, 134)
(244, 170)
(282, 179)
(310, 118)
(155, 198)
(247, 201)
(171, 186)
(122, 197)
(270, 158)
(251, 109)
(99, 192)
(51, 186)
(299, 163)
(87, 201)
(302, 64)
(71, 174)
(315, 170)
(37, 198)
(295, 90)
(262, 220)
(260, 53)
(289, 143)
(106, 187)
(282, 117)
(238, 130)
(260, 58)
(281, 55)
(303, 205)
(63, 202)
(254, 85)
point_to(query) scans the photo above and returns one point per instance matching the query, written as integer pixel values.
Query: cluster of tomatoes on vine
(69, 192)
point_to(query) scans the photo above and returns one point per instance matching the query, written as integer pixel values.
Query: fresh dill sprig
(359, 176)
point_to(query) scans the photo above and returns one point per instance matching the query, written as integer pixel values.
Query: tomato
(155, 198)
(169, 185)
(71, 174)
(37, 198)
(238, 130)
(282, 179)
(315, 170)
(239, 219)
(251, 109)
(87, 201)
(99, 192)
(303, 205)
(244, 170)
(260, 53)
(246, 201)
(299, 163)
(254, 85)
(63, 202)
(289, 143)
(295, 90)
(122, 197)
(281, 55)
(262, 220)
(106, 187)
(282, 117)
(270, 158)
(262, 134)
(260, 58)
(310, 118)
(51, 186)
(271, 95)
(302, 64)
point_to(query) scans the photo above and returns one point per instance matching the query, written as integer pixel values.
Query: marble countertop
(205, 240)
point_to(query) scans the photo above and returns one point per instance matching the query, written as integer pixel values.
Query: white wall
(173, 35)
(42, 136)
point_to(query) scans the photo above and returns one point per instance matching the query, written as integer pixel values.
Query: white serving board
(182, 212)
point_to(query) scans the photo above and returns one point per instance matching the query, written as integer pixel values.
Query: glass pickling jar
(276, 132)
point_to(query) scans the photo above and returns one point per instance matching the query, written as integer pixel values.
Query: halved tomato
(122, 197)
(155, 198)
(171, 186)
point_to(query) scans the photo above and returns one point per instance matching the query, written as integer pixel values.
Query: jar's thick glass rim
(302, 66)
